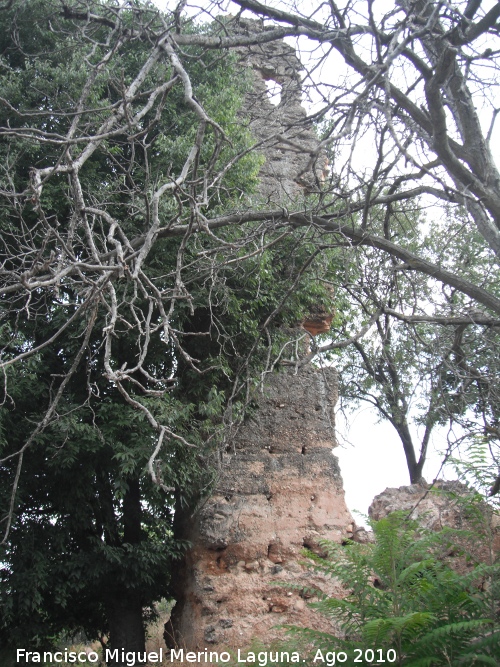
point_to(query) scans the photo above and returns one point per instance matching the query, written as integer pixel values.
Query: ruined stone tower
(280, 488)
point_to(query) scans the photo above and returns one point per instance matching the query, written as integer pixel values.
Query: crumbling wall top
(294, 162)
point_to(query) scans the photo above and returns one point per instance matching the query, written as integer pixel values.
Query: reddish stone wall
(280, 487)
(279, 490)
(445, 504)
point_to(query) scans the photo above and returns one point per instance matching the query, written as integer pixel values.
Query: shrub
(407, 602)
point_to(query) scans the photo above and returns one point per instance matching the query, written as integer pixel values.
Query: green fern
(402, 594)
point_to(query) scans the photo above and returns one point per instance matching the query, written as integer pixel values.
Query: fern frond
(478, 659)
(422, 662)
(382, 629)
(434, 615)
(438, 637)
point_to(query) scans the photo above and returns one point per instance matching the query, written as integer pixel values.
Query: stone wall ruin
(280, 490)
(293, 165)
(446, 504)
(280, 487)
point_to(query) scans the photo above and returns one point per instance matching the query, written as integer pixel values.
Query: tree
(133, 324)
(414, 78)
(415, 372)
(419, 86)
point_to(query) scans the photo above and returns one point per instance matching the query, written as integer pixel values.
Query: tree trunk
(126, 628)
(414, 467)
(183, 527)
(124, 608)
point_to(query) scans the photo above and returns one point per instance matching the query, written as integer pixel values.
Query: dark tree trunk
(124, 607)
(126, 627)
(414, 466)
(183, 527)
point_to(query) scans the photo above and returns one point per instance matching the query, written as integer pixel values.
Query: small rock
(253, 565)
(363, 536)
(210, 634)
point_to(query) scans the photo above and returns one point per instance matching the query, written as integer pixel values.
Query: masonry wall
(295, 165)
(279, 490)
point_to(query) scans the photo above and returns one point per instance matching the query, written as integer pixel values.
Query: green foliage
(424, 363)
(479, 466)
(91, 530)
(404, 593)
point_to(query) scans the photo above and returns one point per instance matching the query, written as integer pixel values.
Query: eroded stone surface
(434, 507)
(280, 490)
(294, 164)
(440, 506)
